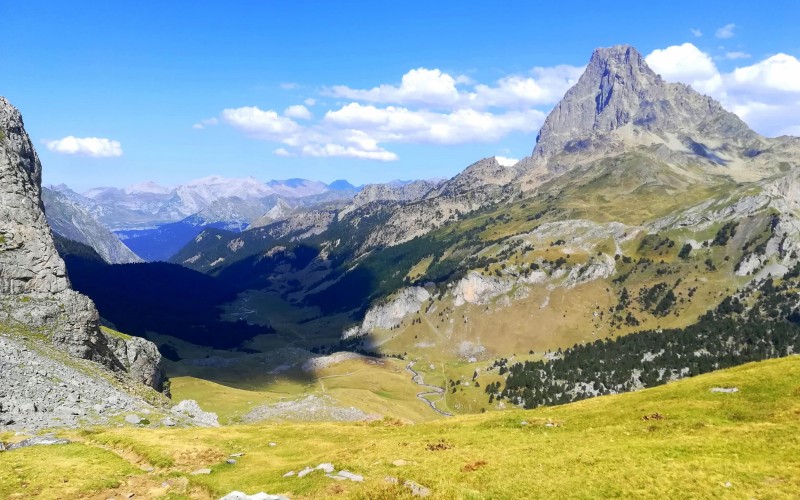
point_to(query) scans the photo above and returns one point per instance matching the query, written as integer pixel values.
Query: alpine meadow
(188, 312)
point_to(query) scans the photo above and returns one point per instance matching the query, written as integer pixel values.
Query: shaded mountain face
(34, 288)
(74, 222)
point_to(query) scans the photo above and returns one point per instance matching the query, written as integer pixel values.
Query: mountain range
(649, 236)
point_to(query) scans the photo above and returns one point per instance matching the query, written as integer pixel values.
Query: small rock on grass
(201, 472)
(726, 390)
(132, 419)
(305, 472)
(349, 475)
(417, 489)
(237, 455)
(289, 474)
(230, 461)
(327, 467)
(400, 463)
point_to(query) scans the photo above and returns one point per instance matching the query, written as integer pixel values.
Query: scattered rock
(653, 416)
(417, 489)
(726, 390)
(289, 474)
(305, 472)
(238, 495)
(400, 463)
(349, 475)
(273, 444)
(328, 468)
(2, 446)
(201, 472)
(237, 455)
(727, 484)
(168, 422)
(189, 408)
(47, 440)
(230, 461)
(133, 419)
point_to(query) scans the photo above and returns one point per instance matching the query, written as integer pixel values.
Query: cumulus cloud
(95, 147)
(725, 31)
(259, 123)
(780, 72)
(298, 111)
(688, 64)
(505, 161)
(765, 94)
(434, 89)
(399, 124)
(418, 86)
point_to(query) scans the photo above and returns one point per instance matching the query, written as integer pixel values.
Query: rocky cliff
(76, 223)
(35, 293)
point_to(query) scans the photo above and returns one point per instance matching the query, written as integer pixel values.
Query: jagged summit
(620, 105)
(618, 90)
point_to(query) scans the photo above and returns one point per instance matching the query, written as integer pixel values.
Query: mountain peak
(618, 90)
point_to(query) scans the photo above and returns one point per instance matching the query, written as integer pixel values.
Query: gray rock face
(74, 222)
(35, 292)
(617, 89)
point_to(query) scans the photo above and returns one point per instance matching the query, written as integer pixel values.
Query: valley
(613, 314)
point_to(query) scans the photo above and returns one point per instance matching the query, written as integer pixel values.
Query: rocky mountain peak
(620, 97)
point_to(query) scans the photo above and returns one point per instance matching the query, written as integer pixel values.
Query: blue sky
(120, 92)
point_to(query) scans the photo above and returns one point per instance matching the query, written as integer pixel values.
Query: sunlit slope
(676, 441)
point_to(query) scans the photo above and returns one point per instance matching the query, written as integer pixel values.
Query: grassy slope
(600, 448)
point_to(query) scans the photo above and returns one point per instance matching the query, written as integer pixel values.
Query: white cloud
(726, 31)
(337, 150)
(282, 152)
(297, 111)
(766, 94)
(418, 86)
(399, 124)
(261, 124)
(780, 72)
(731, 56)
(688, 64)
(505, 161)
(434, 89)
(310, 102)
(289, 85)
(546, 87)
(696, 32)
(96, 147)
(205, 123)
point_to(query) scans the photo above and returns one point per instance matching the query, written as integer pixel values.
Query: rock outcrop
(390, 314)
(35, 293)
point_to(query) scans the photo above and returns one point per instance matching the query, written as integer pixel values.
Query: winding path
(436, 390)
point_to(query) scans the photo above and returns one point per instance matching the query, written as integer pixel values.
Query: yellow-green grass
(693, 444)
(375, 386)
